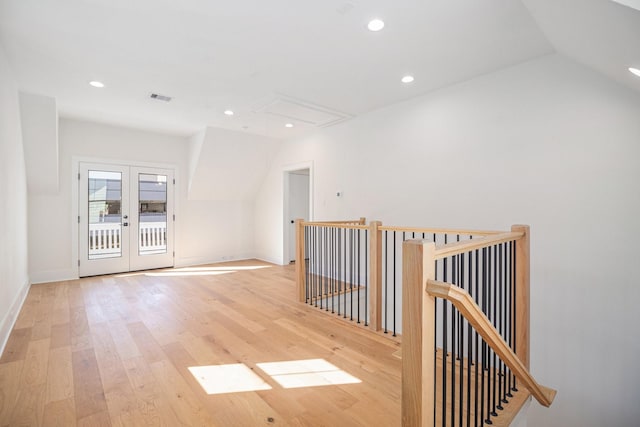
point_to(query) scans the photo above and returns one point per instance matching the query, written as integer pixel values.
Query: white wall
(14, 279)
(547, 143)
(206, 231)
(39, 116)
(228, 165)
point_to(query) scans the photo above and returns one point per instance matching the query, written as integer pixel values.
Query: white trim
(286, 170)
(297, 166)
(75, 169)
(194, 261)
(10, 319)
(270, 260)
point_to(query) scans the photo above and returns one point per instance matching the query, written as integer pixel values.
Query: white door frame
(75, 170)
(286, 170)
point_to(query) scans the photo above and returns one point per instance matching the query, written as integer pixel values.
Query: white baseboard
(271, 260)
(10, 319)
(191, 261)
(52, 275)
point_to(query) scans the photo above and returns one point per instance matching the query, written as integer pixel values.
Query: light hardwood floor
(115, 350)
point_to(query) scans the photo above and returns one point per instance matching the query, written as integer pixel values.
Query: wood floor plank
(59, 383)
(112, 373)
(16, 347)
(152, 404)
(79, 329)
(87, 385)
(34, 371)
(29, 407)
(148, 346)
(100, 419)
(60, 413)
(60, 335)
(10, 374)
(186, 406)
(125, 345)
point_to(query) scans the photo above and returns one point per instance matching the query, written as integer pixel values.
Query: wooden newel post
(418, 334)
(522, 309)
(300, 261)
(375, 275)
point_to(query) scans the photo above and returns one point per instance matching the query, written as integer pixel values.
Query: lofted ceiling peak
(212, 56)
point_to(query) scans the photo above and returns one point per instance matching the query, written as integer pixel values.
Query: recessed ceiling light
(407, 79)
(228, 112)
(635, 71)
(96, 83)
(289, 125)
(375, 25)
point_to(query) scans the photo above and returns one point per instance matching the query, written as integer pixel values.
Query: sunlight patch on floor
(173, 273)
(234, 378)
(307, 373)
(195, 271)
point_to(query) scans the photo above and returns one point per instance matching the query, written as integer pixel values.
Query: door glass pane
(152, 211)
(105, 214)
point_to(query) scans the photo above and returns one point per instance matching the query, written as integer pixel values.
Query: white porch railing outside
(105, 239)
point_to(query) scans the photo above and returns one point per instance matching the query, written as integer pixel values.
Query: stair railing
(495, 268)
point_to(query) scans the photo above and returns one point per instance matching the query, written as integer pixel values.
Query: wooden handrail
(474, 315)
(431, 230)
(344, 225)
(450, 249)
(360, 221)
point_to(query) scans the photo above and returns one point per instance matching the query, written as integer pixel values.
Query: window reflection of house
(105, 194)
(152, 198)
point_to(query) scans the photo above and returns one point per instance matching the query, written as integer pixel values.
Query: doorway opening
(297, 204)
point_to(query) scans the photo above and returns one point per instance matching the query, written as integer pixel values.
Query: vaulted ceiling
(308, 63)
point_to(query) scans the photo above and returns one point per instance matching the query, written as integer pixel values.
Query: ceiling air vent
(159, 97)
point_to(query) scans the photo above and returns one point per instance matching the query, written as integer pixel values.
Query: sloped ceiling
(227, 165)
(210, 56)
(601, 34)
(309, 63)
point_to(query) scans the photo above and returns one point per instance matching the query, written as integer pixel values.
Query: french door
(125, 218)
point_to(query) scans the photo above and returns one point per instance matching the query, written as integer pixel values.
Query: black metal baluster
(445, 346)
(503, 306)
(469, 339)
(510, 315)
(461, 276)
(476, 344)
(339, 266)
(325, 267)
(394, 283)
(331, 268)
(435, 339)
(366, 278)
(352, 265)
(346, 267)
(499, 326)
(386, 281)
(359, 276)
(307, 253)
(485, 355)
(493, 320)
(316, 252)
(454, 342)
